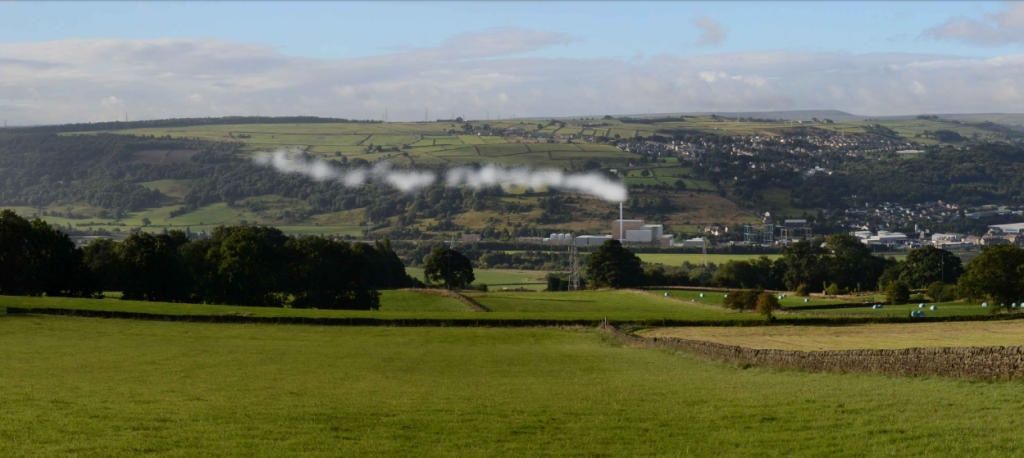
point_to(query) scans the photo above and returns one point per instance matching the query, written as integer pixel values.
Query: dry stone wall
(957, 362)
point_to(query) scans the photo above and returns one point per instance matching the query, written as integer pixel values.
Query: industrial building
(882, 238)
(696, 242)
(1015, 228)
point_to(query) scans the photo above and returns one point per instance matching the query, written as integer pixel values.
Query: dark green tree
(802, 264)
(37, 259)
(100, 257)
(997, 273)
(448, 268)
(850, 264)
(248, 264)
(926, 265)
(149, 269)
(613, 266)
(326, 274)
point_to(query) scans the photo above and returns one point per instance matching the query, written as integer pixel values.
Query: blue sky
(602, 29)
(89, 61)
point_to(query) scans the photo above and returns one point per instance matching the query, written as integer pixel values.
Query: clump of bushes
(767, 303)
(941, 292)
(832, 290)
(743, 300)
(897, 292)
(482, 287)
(803, 290)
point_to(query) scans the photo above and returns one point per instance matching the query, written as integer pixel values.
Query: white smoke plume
(592, 184)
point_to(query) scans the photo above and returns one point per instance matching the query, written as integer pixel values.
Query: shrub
(898, 292)
(832, 290)
(482, 287)
(803, 290)
(941, 292)
(743, 300)
(766, 304)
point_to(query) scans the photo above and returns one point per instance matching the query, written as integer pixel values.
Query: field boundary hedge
(486, 321)
(987, 363)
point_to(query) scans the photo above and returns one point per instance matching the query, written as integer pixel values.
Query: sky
(85, 62)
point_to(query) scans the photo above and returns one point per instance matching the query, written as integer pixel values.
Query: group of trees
(247, 265)
(36, 259)
(237, 265)
(842, 261)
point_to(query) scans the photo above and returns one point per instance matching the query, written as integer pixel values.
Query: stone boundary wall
(958, 362)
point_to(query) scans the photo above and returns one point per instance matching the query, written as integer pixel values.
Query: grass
(718, 298)
(87, 387)
(677, 259)
(870, 336)
(171, 188)
(616, 305)
(944, 309)
(497, 279)
(585, 305)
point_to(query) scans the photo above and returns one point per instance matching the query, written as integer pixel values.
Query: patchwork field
(130, 388)
(855, 337)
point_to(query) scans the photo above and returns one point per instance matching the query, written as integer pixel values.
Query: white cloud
(711, 32)
(112, 103)
(1006, 27)
(92, 80)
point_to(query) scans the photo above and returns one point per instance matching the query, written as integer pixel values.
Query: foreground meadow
(92, 387)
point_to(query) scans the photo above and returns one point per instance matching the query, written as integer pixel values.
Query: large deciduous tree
(613, 266)
(997, 273)
(448, 268)
(924, 266)
(248, 265)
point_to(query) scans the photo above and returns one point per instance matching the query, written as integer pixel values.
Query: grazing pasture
(92, 387)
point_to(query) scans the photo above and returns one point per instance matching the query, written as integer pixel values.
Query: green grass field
(718, 298)
(497, 279)
(855, 337)
(91, 388)
(944, 309)
(617, 305)
(584, 305)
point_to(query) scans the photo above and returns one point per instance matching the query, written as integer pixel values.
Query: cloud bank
(591, 184)
(998, 29)
(483, 74)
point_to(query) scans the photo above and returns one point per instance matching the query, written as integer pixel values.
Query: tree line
(237, 265)
(184, 122)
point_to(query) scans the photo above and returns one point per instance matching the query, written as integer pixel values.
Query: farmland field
(854, 337)
(944, 309)
(584, 305)
(614, 304)
(496, 279)
(171, 389)
(718, 298)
